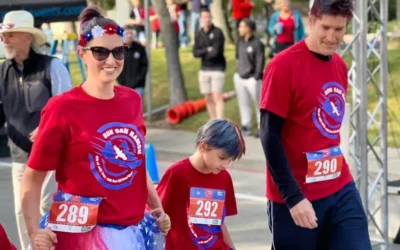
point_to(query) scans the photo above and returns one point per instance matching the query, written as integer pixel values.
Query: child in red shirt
(5, 243)
(197, 192)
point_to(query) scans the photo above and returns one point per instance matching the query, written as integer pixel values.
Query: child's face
(216, 160)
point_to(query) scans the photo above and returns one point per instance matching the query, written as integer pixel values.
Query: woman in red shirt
(286, 26)
(93, 137)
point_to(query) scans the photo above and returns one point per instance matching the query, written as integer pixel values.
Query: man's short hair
(250, 23)
(205, 9)
(128, 27)
(333, 7)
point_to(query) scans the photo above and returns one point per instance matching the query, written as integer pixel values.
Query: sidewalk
(183, 143)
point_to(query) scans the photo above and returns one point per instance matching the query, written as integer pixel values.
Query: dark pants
(342, 224)
(279, 47)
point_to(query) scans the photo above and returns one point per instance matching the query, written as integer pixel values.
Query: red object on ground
(177, 113)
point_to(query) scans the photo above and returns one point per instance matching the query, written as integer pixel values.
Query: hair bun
(88, 14)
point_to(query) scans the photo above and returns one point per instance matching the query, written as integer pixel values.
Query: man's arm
(260, 61)
(270, 134)
(198, 51)
(60, 77)
(217, 46)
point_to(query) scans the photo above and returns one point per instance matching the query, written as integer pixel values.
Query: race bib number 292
(72, 213)
(206, 206)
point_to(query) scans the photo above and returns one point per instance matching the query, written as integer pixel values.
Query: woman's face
(102, 64)
(285, 5)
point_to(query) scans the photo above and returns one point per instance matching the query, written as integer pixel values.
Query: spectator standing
(209, 46)
(28, 80)
(182, 21)
(241, 9)
(137, 19)
(287, 27)
(250, 56)
(197, 6)
(136, 65)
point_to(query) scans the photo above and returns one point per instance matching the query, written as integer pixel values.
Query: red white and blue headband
(98, 31)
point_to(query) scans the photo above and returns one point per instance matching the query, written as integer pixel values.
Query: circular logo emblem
(204, 236)
(328, 116)
(117, 153)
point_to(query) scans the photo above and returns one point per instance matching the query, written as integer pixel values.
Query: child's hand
(163, 220)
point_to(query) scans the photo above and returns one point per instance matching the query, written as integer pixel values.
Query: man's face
(136, 3)
(243, 29)
(129, 35)
(205, 19)
(15, 43)
(327, 32)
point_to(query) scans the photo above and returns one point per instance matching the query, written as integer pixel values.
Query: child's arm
(227, 236)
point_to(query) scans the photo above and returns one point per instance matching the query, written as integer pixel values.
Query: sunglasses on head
(101, 53)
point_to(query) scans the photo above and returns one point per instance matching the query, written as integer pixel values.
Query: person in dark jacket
(209, 46)
(28, 80)
(135, 69)
(250, 57)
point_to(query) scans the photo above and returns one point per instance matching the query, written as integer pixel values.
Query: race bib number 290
(324, 165)
(72, 213)
(206, 206)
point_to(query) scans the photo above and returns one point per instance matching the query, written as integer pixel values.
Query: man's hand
(43, 239)
(163, 220)
(32, 135)
(209, 49)
(303, 215)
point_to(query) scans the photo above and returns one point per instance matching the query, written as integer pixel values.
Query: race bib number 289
(72, 213)
(206, 206)
(324, 165)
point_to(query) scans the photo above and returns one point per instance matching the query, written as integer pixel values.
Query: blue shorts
(342, 224)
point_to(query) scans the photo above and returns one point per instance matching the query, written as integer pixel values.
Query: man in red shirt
(313, 201)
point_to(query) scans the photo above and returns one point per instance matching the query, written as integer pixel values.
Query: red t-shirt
(310, 95)
(175, 191)
(97, 148)
(5, 243)
(241, 9)
(287, 35)
(156, 22)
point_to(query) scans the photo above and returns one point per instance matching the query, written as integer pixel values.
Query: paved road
(249, 229)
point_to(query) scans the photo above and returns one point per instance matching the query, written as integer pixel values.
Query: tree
(219, 18)
(177, 90)
(103, 4)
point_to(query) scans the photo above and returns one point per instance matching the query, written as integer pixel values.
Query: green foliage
(104, 4)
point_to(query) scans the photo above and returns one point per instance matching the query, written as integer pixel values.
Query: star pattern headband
(98, 31)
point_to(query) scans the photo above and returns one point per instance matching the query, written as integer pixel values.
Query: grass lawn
(190, 67)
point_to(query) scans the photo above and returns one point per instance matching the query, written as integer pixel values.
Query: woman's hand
(163, 220)
(43, 239)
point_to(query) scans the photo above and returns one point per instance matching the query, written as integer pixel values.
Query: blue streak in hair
(220, 134)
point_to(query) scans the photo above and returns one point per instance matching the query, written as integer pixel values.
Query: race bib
(73, 213)
(324, 164)
(206, 206)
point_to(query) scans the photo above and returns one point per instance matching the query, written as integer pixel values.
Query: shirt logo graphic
(328, 116)
(117, 153)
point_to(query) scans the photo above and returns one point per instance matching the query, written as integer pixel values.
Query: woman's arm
(31, 188)
(227, 236)
(153, 200)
